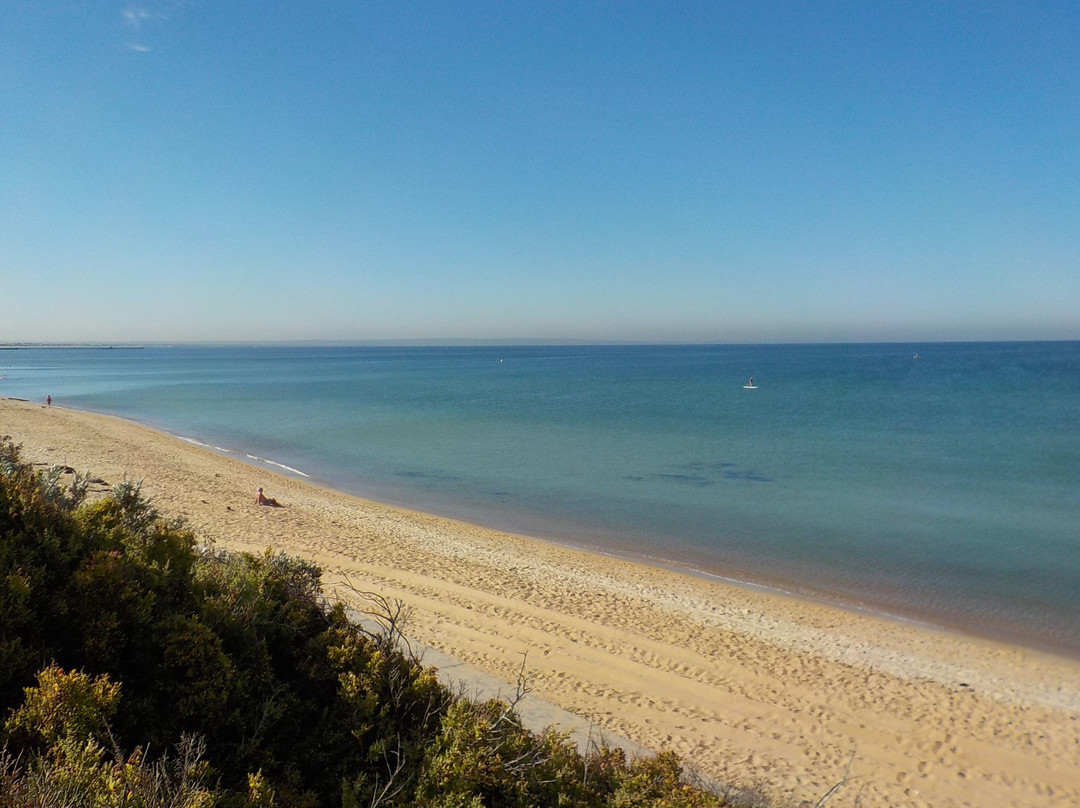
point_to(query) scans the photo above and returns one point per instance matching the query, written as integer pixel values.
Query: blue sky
(670, 171)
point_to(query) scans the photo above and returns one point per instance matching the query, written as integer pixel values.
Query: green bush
(118, 631)
(76, 762)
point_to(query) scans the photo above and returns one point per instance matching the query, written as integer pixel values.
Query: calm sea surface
(944, 487)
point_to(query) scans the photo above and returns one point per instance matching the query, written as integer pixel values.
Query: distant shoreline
(501, 343)
(71, 347)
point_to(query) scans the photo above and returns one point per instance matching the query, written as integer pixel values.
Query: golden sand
(749, 687)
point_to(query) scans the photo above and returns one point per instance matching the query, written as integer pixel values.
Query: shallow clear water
(945, 487)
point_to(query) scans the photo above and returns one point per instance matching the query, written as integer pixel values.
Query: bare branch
(391, 616)
(836, 786)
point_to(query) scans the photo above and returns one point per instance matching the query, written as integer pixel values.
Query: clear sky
(670, 171)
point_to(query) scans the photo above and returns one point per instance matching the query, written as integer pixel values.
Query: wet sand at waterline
(747, 686)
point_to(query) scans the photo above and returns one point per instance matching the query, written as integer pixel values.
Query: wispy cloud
(141, 21)
(135, 16)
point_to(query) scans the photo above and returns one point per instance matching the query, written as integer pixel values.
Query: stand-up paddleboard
(750, 385)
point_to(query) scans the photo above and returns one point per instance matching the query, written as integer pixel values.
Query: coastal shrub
(291, 698)
(657, 782)
(483, 756)
(119, 630)
(73, 760)
(65, 705)
(40, 547)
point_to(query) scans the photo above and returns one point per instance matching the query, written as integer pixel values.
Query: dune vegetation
(140, 668)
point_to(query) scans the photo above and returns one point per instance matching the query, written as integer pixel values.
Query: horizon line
(484, 343)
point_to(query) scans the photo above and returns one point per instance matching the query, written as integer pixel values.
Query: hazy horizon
(669, 173)
(524, 342)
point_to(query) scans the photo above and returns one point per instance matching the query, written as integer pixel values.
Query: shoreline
(748, 685)
(894, 610)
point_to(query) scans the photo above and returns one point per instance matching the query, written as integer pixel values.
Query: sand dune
(749, 686)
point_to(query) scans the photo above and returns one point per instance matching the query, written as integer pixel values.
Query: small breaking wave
(289, 469)
(261, 460)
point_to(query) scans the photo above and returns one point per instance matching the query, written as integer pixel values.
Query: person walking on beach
(48, 401)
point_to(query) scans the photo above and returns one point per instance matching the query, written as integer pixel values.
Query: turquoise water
(944, 487)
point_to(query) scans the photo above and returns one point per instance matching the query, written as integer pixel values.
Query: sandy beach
(750, 687)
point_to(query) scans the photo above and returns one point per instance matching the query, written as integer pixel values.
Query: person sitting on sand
(262, 500)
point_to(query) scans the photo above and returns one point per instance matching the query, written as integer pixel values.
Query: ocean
(934, 482)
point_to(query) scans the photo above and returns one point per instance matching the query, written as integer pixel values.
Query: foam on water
(262, 461)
